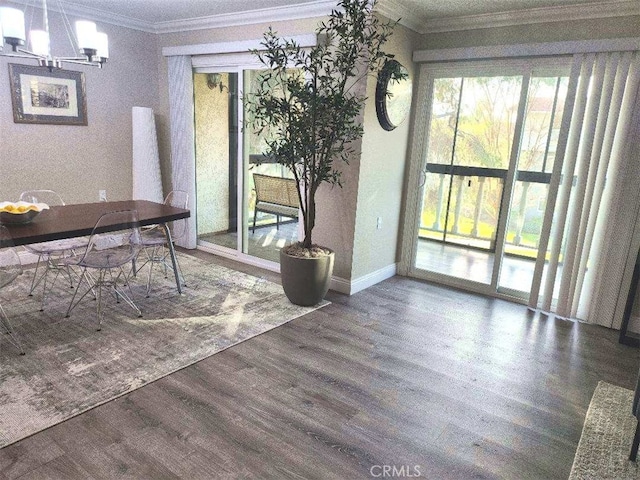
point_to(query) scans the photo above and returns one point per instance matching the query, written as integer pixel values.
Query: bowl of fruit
(20, 212)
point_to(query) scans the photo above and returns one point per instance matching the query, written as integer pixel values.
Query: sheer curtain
(587, 219)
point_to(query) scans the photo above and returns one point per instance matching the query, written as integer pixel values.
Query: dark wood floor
(440, 383)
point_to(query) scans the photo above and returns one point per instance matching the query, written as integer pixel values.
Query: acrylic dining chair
(155, 242)
(50, 253)
(107, 252)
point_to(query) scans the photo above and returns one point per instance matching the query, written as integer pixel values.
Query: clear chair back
(178, 199)
(49, 197)
(110, 248)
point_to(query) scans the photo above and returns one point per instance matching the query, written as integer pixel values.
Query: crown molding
(318, 8)
(615, 8)
(95, 14)
(393, 9)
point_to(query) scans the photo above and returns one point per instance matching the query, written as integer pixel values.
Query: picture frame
(43, 96)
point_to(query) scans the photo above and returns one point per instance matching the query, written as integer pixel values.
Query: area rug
(603, 451)
(69, 367)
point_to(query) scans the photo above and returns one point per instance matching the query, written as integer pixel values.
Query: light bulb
(13, 26)
(87, 37)
(103, 45)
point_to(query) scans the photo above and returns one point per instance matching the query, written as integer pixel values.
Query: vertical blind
(592, 160)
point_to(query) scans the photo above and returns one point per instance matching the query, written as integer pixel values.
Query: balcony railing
(467, 223)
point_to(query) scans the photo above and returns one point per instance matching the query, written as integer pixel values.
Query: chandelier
(91, 45)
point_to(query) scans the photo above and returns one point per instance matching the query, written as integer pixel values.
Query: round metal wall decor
(393, 95)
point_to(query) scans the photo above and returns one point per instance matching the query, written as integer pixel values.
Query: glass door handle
(423, 178)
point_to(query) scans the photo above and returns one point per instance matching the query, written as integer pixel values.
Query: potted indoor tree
(306, 106)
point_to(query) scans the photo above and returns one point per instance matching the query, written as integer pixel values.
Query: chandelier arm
(79, 61)
(74, 59)
(21, 53)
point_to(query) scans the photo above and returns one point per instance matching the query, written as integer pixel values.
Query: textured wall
(382, 169)
(212, 155)
(77, 161)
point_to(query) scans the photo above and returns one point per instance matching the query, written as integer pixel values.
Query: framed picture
(47, 97)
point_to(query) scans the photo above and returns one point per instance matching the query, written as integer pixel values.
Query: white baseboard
(338, 284)
(349, 287)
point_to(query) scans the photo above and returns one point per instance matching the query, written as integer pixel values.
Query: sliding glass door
(227, 158)
(489, 146)
(470, 137)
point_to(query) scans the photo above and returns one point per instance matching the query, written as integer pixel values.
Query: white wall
(382, 170)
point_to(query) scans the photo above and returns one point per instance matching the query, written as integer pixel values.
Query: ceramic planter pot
(306, 280)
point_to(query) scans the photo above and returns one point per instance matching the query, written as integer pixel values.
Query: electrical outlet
(379, 223)
(102, 195)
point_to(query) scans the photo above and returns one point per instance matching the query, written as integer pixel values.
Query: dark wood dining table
(78, 220)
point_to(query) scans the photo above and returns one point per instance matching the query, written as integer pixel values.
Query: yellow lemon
(22, 208)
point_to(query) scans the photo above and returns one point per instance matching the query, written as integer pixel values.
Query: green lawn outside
(528, 241)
